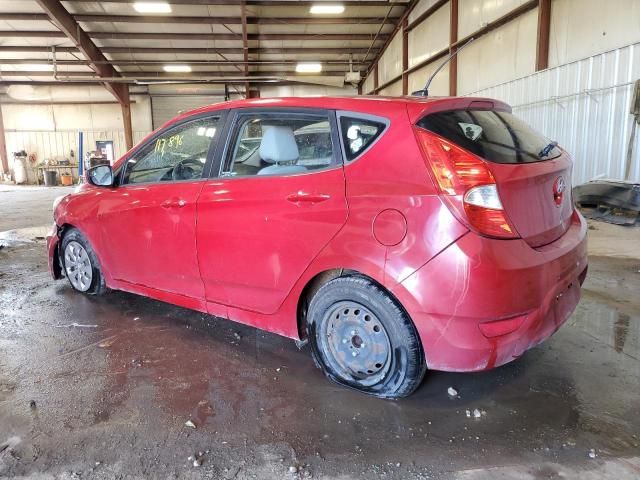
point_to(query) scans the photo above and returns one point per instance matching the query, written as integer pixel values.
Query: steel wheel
(356, 342)
(78, 266)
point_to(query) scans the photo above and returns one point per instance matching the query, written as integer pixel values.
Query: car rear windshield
(499, 137)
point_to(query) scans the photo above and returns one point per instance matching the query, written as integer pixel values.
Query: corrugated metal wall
(55, 145)
(584, 105)
(58, 145)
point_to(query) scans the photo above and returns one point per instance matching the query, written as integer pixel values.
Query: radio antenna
(425, 91)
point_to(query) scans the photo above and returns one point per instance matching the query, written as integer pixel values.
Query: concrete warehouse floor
(112, 395)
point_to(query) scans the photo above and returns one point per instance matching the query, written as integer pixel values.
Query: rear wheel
(80, 264)
(361, 338)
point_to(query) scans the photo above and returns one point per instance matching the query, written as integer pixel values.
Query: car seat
(278, 147)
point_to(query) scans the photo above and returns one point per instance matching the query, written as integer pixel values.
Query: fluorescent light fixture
(326, 9)
(208, 132)
(152, 7)
(177, 68)
(308, 67)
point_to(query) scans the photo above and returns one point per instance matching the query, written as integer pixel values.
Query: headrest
(278, 144)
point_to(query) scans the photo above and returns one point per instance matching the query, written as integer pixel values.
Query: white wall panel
(73, 117)
(503, 54)
(390, 64)
(420, 8)
(440, 84)
(367, 86)
(430, 36)
(583, 105)
(580, 28)
(475, 14)
(393, 90)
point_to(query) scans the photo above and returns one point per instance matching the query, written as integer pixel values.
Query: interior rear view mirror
(100, 175)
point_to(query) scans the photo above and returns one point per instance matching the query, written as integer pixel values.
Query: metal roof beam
(182, 36)
(203, 51)
(270, 3)
(65, 22)
(62, 75)
(203, 20)
(70, 28)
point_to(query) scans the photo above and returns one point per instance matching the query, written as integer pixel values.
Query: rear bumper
(52, 253)
(478, 280)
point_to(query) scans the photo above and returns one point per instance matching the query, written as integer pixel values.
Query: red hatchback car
(394, 234)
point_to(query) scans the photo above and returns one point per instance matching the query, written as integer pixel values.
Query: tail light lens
(468, 186)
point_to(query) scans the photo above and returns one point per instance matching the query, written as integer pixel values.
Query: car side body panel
(430, 226)
(392, 226)
(156, 224)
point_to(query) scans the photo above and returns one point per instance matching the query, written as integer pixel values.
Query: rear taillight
(466, 183)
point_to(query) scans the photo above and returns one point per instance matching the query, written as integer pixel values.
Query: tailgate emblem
(559, 186)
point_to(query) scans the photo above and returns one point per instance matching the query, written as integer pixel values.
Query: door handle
(173, 203)
(304, 197)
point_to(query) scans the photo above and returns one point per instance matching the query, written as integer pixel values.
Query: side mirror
(100, 175)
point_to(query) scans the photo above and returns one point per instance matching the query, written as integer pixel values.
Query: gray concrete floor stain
(111, 401)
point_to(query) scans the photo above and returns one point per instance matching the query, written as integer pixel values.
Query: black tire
(349, 314)
(94, 280)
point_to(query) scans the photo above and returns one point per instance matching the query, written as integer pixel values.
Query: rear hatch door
(532, 174)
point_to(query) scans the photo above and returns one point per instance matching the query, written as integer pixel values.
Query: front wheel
(81, 265)
(361, 338)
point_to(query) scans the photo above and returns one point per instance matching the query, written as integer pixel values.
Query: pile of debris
(612, 201)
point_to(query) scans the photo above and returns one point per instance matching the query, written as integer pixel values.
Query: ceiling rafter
(61, 74)
(189, 50)
(270, 3)
(62, 19)
(228, 20)
(189, 36)
(193, 61)
(86, 32)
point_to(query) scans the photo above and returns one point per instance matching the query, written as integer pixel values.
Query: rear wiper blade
(547, 150)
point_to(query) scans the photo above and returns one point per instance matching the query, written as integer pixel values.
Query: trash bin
(50, 179)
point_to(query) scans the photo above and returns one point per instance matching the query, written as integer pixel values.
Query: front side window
(285, 145)
(358, 134)
(180, 153)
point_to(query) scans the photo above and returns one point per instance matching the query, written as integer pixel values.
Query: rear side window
(285, 144)
(499, 137)
(358, 134)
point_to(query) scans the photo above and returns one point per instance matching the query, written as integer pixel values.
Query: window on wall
(180, 153)
(286, 145)
(358, 134)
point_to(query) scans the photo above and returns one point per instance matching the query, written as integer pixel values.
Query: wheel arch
(58, 263)
(63, 229)
(320, 279)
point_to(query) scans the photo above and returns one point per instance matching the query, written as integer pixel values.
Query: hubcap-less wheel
(78, 266)
(356, 343)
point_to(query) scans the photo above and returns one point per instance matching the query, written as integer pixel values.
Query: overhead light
(152, 7)
(328, 9)
(177, 68)
(308, 67)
